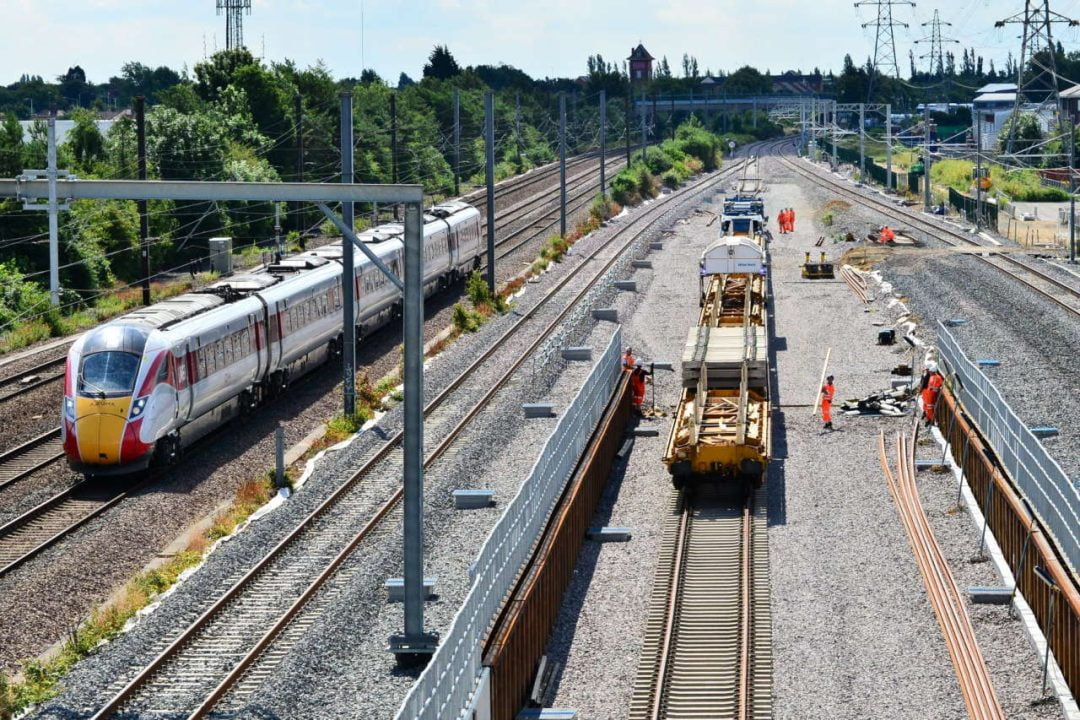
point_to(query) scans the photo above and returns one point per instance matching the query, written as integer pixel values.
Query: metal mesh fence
(1053, 496)
(447, 683)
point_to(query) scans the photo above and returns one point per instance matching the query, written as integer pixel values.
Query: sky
(545, 38)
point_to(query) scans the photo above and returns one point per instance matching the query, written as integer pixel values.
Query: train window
(201, 361)
(228, 345)
(219, 351)
(247, 341)
(163, 371)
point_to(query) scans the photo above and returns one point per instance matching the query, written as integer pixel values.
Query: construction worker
(787, 220)
(931, 388)
(628, 359)
(828, 392)
(791, 219)
(637, 387)
(886, 235)
(780, 221)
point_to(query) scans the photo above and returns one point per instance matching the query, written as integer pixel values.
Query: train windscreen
(108, 374)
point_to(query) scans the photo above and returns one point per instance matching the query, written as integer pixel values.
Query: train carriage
(139, 388)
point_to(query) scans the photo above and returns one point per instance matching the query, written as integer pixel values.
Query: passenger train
(141, 387)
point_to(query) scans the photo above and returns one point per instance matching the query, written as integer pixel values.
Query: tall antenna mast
(234, 21)
(884, 38)
(1037, 89)
(937, 53)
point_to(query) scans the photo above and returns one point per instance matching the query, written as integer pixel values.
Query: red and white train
(140, 387)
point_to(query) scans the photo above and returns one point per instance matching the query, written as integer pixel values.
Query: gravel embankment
(490, 436)
(884, 646)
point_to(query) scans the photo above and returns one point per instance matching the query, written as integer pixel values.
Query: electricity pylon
(937, 53)
(884, 39)
(1039, 87)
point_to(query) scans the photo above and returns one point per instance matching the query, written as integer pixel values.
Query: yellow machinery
(818, 271)
(722, 429)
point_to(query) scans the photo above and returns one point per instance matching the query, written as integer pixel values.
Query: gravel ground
(52, 592)
(322, 694)
(597, 636)
(909, 666)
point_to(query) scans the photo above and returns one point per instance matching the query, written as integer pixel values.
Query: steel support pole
(416, 644)
(753, 115)
(562, 165)
(517, 123)
(862, 142)
(348, 284)
(144, 221)
(926, 157)
(978, 171)
(51, 173)
(603, 143)
(393, 145)
(298, 137)
(888, 147)
(277, 230)
(457, 142)
(489, 142)
(835, 137)
(628, 118)
(643, 126)
(672, 117)
(1072, 191)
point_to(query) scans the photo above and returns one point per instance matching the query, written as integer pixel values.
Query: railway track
(950, 606)
(41, 526)
(24, 381)
(251, 626)
(29, 457)
(1062, 294)
(708, 644)
(25, 536)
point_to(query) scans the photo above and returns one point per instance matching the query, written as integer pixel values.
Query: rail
(1053, 496)
(447, 684)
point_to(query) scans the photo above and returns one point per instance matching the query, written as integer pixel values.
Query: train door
(183, 356)
(452, 244)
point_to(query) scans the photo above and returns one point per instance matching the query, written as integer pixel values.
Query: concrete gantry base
(609, 534)
(473, 499)
(606, 314)
(630, 285)
(646, 432)
(656, 246)
(395, 589)
(547, 714)
(583, 352)
(641, 264)
(991, 595)
(538, 410)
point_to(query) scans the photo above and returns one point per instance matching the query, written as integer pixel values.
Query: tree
(441, 64)
(748, 80)
(1028, 132)
(73, 84)
(85, 140)
(11, 146)
(369, 76)
(216, 74)
(404, 81)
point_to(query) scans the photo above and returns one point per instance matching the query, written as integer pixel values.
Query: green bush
(464, 319)
(476, 289)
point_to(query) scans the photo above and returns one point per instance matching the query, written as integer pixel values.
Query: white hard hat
(931, 366)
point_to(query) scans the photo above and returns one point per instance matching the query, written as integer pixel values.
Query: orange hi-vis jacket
(930, 394)
(828, 391)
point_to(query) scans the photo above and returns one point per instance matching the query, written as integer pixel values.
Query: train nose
(100, 436)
